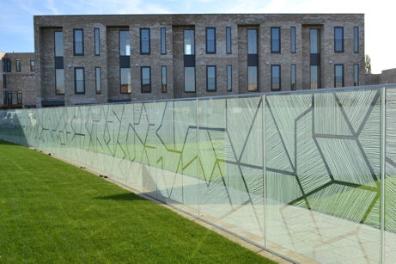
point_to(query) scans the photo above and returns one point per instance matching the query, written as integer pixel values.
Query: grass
(52, 212)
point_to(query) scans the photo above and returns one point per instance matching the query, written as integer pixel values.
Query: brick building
(114, 58)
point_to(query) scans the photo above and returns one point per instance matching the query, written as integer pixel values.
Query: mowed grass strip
(52, 212)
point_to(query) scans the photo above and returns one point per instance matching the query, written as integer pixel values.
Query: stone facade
(109, 59)
(18, 86)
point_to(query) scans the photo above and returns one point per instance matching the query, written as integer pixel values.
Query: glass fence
(308, 175)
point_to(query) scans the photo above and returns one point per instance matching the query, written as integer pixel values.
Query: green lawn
(52, 212)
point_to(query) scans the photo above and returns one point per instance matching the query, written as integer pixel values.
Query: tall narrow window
(252, 41)
(211, 78)
(144, 41)
(189, 79)
(314, 50)
(60, 81)
(58, 44)
(338, 39)
(338, 75)
(164, 79)
(163, 40)
(189, 42)
(275, 40)
(252, 78)
(18, 66)
(293, 77)
(78, 42)
(293, 40)
(79, 80)
(275, 77)
(125, 43)
(98, 80)
(31, 65)
(356, 72)
(210, 40)
(145, 78)
(356, 39)
(228, 40)
(125, 81)
(97, 41)
(4, 81)
(229, 78)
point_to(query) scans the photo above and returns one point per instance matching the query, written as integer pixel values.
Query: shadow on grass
(121, 197)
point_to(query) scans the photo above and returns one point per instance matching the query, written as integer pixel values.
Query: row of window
(18, 65)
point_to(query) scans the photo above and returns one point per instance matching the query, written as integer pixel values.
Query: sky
(16, 18)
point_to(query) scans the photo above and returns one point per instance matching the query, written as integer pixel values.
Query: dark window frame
(279, 41)
(163, 50)
(195, 79)
(119, 41)
(32, 65)
(356, 39)
(280, 77)
(75, 79)
(356, 65)
(257, 79)
(129, 70)
(293, 48)
(74, 42)
(4, 81)
(214, 40)
(228, 40)
(98, 91)
(229, 66)
(215, 78)
(63, 44)
(18, 65)
(342, 39)
(141, 41)
(56, 90)
(142, 90)
(97, 45)
(295, 75)
(335, 75)
(257, 40)
(164, 86)
(184, 42)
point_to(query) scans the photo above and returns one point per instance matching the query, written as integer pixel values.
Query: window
(163, 40)
(31, 65)
(293, 77)
(79, 80)
(125, 43)
(229, 78)
(4, 81)
(97, 41)
(293, 40)
(210, 40)
(58, 44)
(252, 41)
(60, 81)
(164, 79)
(78, 42)
(211, 78)
(189, 79)
(275, 40)
(228, 40)
(18, 66)
(252, 78)
(145, 78)
(125, 76)
(189, 43)
(98, 79)
(355, 74)
(338, 75)
(314, 41)
(356, 39)
(144, 41)
(338, 39)
(275, 77)
(314, 76)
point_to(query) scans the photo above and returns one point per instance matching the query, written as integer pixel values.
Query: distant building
(386, 76)
(116, 58)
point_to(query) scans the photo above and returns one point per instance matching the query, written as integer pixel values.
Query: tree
(367, 64)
